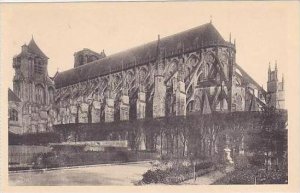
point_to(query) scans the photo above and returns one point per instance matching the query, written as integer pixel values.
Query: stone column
(141, 105)
(141, 114)
(124, 108)
(180, 99)
(62, 114)
(109, 110)
(96, 110)
(73, 113)
(83, 113)
(142, 141)
(159, 97)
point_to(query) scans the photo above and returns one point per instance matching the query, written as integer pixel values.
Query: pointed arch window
(206, 70)
(38, 66)
(51, 94)
(13, 115)
(40, 94)
(190, 106)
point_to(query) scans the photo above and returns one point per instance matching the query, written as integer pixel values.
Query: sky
(264, 31)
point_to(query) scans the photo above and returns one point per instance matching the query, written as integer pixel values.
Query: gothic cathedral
(194, 71)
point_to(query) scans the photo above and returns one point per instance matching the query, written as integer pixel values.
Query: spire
(210, 18)
(33, 48)
(269, 72)
(230, 37)
(276, 70)
(158, 46)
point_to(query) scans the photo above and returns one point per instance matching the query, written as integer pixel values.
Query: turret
(275, 89)
(24, 48)
(85, 56)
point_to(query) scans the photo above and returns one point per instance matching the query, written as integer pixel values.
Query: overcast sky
(264, 31)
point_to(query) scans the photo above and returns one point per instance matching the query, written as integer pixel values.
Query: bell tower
(275, 89)
(30, 70)
(32, 84)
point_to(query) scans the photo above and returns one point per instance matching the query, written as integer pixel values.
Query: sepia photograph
(150, 93)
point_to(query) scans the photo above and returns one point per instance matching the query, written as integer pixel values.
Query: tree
(268, 138)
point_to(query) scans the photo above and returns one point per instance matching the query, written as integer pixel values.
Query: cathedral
(191, 71)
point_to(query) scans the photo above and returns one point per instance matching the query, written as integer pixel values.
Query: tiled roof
(33, 48)
(188, 40)
(12, 96)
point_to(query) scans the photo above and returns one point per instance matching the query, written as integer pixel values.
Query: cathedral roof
(172, 45)
(33, 48)
(12, 96)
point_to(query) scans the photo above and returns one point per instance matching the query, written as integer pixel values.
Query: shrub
(248, 175)
(174, 172)
(156, 176)
(203, 165)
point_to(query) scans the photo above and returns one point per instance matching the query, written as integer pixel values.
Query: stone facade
(34, 88)
(275, 89)
(15, 120)
(192, 71)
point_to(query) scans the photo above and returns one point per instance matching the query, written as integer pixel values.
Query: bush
(248, 175)
(174, 172)
(156, 176)
(203, 165)
(256, 160)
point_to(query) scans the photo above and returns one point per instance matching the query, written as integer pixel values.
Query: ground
(209, 178)
(92, 175)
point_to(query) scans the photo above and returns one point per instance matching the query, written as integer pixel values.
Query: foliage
(63, 159)
(245, 172)
(197, 136)
(176, 172)
(33, 138)
(268, 141)
(252, 175)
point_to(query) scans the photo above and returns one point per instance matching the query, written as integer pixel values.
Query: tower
(275, 89)
(31, 81)
(85, 56)
(33, 86)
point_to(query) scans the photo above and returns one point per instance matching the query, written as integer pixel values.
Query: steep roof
(12, 96)
(188, 40)
(33, 48)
